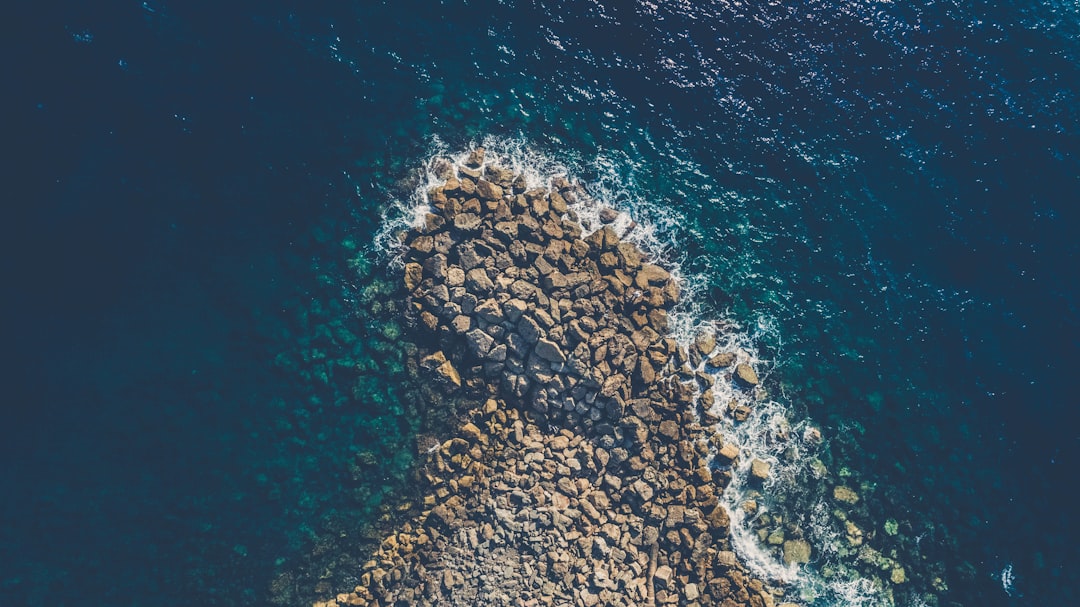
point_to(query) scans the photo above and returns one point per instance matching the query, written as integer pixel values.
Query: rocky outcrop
(581, 476)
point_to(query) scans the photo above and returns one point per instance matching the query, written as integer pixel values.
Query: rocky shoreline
(582, 476)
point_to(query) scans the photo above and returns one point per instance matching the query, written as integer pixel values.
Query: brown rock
(722, 360)
(414, 273)
(759, 470)
(728, 453)
(475, 159)
(478, 281)
(669, 429)
(488, 190)
(467, 222)
(745, 374)
(651, 275)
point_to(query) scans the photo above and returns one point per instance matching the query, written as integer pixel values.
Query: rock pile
(570, 326)
(581, 477)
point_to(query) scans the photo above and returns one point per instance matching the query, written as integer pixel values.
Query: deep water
(206, 391)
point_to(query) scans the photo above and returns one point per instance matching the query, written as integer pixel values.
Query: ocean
(208, 391)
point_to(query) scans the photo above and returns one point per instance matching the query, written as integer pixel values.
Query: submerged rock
(796, 551)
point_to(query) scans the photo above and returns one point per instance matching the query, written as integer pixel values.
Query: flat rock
(669, 429)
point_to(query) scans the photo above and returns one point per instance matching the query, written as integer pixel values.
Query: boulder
(488, 191)
(745, 374)
(475, 159)
(845, 495)
(480, 342)
(478, 281)
(549, 350)
(759, 470)
(796, 551)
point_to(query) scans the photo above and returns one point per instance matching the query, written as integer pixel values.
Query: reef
(581, 474)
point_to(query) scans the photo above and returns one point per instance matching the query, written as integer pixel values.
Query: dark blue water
(204, 381)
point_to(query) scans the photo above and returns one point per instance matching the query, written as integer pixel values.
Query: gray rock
(549, 350)
(529, 330)
(513, 309)
(498, 353)
(489, 310)
(480, 342)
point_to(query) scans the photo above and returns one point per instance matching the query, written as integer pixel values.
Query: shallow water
(202, 373)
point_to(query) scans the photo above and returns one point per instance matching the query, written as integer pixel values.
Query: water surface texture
(207, 388)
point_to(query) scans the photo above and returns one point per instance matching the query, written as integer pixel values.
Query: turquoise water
(208, 386)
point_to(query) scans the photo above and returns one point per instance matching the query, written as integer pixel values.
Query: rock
(514, 308)
(728, 453)
(718, 518)
(488, 190)
(759, 470)
(691, 592)
(475, 159)
(745, 374)
(448, 372)
(663, 575)
(669, 429)
(466, 222)
(529, 330)
(478, 281)
(898, 575)
(497, 353)
(608, 215)
(461, 324)
(549, 350)
(642, 489)
(479, 341)
(796, 551)
(845, 495)
(455, 276)
(722, 360)
(705, 343)
(489, 310)
(651, 275)
(471, 432)
(414, 273)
